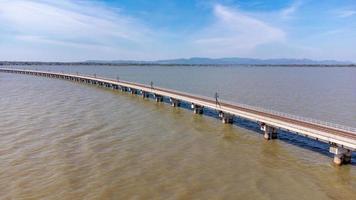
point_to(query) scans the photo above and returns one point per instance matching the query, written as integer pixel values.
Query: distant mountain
(230, 61)
(252, 61)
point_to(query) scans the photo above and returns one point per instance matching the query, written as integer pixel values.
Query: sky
(78, 30)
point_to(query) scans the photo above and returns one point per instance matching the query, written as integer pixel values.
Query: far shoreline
(148, 64)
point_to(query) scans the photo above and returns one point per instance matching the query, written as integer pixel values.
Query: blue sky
(75, 30)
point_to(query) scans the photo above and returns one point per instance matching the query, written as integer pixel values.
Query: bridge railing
(296, 117)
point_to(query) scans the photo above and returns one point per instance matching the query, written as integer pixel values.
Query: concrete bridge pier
(174, 102)
(144, 94)
(124, 89)
(269, 132)
(115, 87)
(133, 91)
(226, 118)
(158, 97)
(197, 109)
(341, 155)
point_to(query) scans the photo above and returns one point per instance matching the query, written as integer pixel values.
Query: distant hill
(196, 62)
(230, 61)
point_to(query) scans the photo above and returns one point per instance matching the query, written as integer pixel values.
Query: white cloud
(87, 26)
(235, 33)
(289, 11)
(345, 13)
(68, 30)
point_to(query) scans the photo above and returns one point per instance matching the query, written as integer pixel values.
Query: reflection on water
(65, 140)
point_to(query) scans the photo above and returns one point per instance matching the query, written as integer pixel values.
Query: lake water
(65, 140)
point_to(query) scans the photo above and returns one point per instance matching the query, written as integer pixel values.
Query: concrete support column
(197, 109)
(226, 118)
(115, 87)
(347, 157)
(144, 94)
(158, 97)
(124, 89)
(133, 91)
(174, 102)
(341, 155)
(269, 131)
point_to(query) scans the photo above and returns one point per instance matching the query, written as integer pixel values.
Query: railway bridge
(342, 139)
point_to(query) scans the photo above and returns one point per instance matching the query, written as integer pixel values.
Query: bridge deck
(327, 132)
